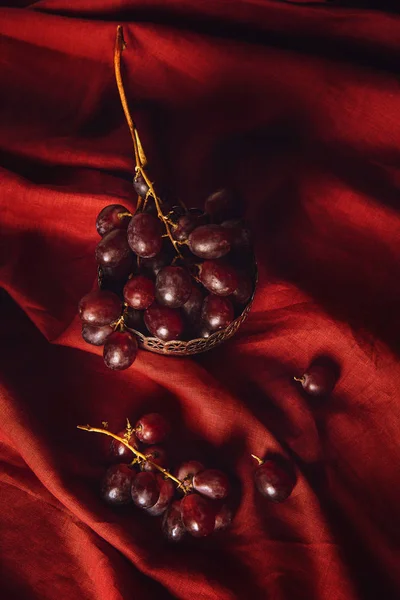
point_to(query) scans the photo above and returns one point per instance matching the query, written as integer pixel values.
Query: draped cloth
(296, 106)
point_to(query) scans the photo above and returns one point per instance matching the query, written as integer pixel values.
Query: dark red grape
(172, 525)
(212, 483)
(95, 335)
(198, 515)
(185, 225)
(120, 273)
(120, 350)
(244, 290)
(140, 186)
(119, 451)
(100, 308)
(167, 490)
(109, 218)
(223, 518)
(144, 235)
(113, 249)
(163, 322)
(192, 307)
(275, 479)
(173, 286)
(145, 489)
(241, 237)
(219, 205)
(139, 292)
(152, 428)
(217, 312)
(188, 469)
(116, 485)
(218, 277)
(157, 455)
(210, 241)
(318, 380)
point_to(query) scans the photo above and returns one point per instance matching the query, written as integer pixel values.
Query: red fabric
(297, 106)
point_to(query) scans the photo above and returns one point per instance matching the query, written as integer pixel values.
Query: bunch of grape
(172, 273)
(193, 500)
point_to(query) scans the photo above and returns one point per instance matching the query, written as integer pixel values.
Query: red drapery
(296, 105)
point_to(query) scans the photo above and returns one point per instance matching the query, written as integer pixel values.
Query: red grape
(121, 452)
(223, 518)
(172, 525)
(185, 226)
(140, 186)
(157, 455)
(219, 205)
(212, 483)
(120, 350)
(144, 235)
(116, 485)
(152, 428)
(167, 490)
(198, 515)
(109, 219)
(218, 277)
(139, 292)
(217, 312)
(210, 241)
(163, 322)
(319, 380)
(100, 308)
(145, 489)
(241, 237)
(188, 469)
(192, 307)
(275, 479)
(92, 334)
(244, 290)
(113, 249)
(119, 273)
(173, 286)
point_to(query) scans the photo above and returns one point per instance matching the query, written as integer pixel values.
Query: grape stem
(299, 379)
(258, 459)
(137, 453)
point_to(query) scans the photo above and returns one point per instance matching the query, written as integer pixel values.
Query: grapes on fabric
(320, 378)
(274, 477)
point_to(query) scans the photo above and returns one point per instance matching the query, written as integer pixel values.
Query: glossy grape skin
(108, 219)
(139, 292)
(163, 322)
(120, 452)
(113, 249)
(152, 428)
(212, 483)
(210, 241)
(218, 277)
(319, 380)
(217, 312)
(275, 479)
(120, 273)
(198, 515)
(145, 489)
(193, 305)
(144, 235)
(167, 490)
(173, 286)
(100, 308)
(185, 225)
(116, 485)
(157, 455)
(95, 335)
(172, 525)
(223, 518)
(219, 205)
(240, 235)
(140, 186)
(244, 289)
(188, 470)
(120, 350)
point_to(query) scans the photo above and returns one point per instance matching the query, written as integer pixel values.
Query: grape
(92, 334)
(188, 469)
(198, 515)
(100, 308)
(184, 226)
(172, 525)
(157, 455)
(223, 518)
(244, 290)
(145, 489)
(144, 235)
(173, 286)
(139, 292)
(219, 278)
(140, 186)
(152, 428)
(163, 322)
(241, 237)
(121, 452)
(167, 490)
(275, 479)
(192, 307)
(217, 312)
(113, 249)
(210, 241)
(116, 485)
(134, 320)
(153, 265)
(319, 380)
(120, 350)
(212, 483)
(219, 205)
(120, 273)
(109, 219)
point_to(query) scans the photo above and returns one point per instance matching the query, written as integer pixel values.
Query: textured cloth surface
(296, 105)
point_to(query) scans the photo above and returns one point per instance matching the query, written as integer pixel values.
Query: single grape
(145, 489)
(163, 322)
(157, 455)
(116, 485)
(120, 452)
(173, 286)
(217, 312)
(140, 186)
(172, 524)
(318, 380)
(139, 292)
(152, 428)
(275, 479)
(188, 470)
(198, 515)
(92, 334)
(244, 290)
(144, 235)
(184, 227)
(110, 218)
(193, 305)
(241, 236)
(218, 277)
(219, 205)
(100, 308)
(113, 249)
(167, 490)
(223, 518)
(120, 350)
(212, 483)
(210, 241)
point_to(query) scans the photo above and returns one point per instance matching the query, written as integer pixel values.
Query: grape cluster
(192, 501)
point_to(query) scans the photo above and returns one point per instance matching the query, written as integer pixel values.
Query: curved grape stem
(299, 379)
(137, 453)
(258, 459)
